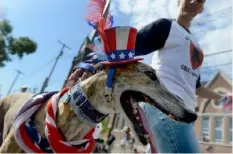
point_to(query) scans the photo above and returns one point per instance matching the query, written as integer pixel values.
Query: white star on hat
(122, 56)
(130, 54)
(113, 56)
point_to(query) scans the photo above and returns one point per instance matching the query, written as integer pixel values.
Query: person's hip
(170, 136)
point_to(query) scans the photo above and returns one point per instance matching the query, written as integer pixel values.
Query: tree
(11, 46)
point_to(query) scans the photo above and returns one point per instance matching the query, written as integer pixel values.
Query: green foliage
(22, 45)
(5, 27)
(104, 126)
(11, 46)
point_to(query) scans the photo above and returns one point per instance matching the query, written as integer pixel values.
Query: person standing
(177, 60)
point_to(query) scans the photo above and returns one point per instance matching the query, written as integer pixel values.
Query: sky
(46, 22)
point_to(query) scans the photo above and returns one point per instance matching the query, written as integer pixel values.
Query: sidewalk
(118, 149)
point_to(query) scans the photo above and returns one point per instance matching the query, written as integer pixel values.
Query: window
(230, 130)
(218, 129)
(205, 127)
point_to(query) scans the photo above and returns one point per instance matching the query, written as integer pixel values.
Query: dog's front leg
(9, 145)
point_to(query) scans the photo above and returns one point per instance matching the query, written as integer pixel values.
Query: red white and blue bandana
(30, 140)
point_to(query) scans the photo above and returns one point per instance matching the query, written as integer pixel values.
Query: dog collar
(81, 105)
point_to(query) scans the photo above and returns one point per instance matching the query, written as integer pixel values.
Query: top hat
(120, 45)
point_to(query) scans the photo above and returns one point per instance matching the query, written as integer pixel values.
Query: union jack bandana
(54, 137)
(29, 139)
(21, 126)
(35, 137)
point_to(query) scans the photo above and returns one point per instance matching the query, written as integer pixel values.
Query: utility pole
(0, 92)
(13, 83)
(45, 84)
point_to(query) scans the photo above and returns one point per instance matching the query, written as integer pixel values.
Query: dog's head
(134, 83)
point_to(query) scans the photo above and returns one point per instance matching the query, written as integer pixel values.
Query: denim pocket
(153, 114)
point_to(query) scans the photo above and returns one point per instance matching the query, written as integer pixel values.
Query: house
(214, 127)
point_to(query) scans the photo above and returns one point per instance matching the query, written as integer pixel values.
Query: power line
(217, 65)
(221, 12)
(13, 83)
(216, 53)
(214, 18)
(45, 84)
(211, 17)
(37, 70)
(42, 66)
(195, 32)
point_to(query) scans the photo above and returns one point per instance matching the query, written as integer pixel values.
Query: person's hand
(79, 73)
(85, 69)
(226, 103)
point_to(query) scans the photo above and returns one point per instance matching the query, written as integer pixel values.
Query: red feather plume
(95, 16)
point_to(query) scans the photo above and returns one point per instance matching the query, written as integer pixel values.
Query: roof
(204, 82)
(210, 82)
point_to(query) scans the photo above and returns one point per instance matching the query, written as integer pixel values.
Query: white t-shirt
(177, 57)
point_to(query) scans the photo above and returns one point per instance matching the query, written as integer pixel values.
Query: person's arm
(152, 37)
(84, 69)
(205, 92)
(223, 100)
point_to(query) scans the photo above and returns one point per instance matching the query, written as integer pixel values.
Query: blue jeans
(170, 136)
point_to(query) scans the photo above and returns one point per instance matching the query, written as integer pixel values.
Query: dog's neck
(71, 127)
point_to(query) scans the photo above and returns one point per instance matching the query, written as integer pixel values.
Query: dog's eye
(151, 75)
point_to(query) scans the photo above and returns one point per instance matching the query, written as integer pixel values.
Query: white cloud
(214, 42)
(212, 27)
(2, 12)
(113, 9)
(144, 11)
(217, 40)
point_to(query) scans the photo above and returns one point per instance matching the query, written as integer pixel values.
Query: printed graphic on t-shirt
(196, 56)
(189, 70)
